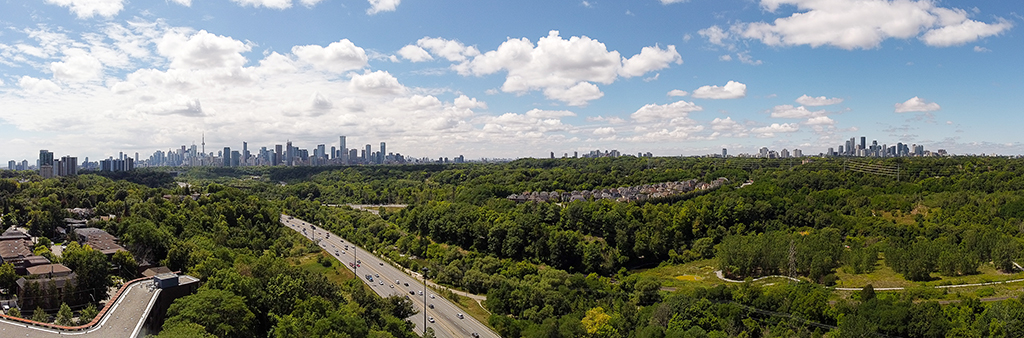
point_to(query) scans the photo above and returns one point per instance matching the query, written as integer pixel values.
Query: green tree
(8, 277)
(125, 264)
(87, 314)
(184, 329)
(597, 323)
(92, 269)
(40, 316)
(14, 312)
(64, 315)
(221, 312)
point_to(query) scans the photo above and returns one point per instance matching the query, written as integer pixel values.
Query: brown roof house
(99, 240)
(35, 288)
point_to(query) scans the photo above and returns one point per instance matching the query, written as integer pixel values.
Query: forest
(579, 269)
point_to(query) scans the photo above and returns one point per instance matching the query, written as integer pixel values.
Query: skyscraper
(245, 153)
(45, 163)
(289, 155)
(278, 154)
(725, 153)
(863, 142)
(367, 154)
(226, 157)
(383, 153)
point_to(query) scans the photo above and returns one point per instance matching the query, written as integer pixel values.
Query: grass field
(335, 273)
(468, 305)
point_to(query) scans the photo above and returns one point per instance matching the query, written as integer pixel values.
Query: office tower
(321, 151)
(334, 153)
(367, 154)
(226, 157)
(342, 146)
(45, 163)
(279, 154)
(352, 155)
(11, 165)
(552, 154)
(383, 153)
(830, 151)
(245, 153)
(724, 153)
(236, 158)
(68, 166)
(289, 155)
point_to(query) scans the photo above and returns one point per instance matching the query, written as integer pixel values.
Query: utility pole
(424, 301)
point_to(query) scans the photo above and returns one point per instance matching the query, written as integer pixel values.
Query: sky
(509, 79)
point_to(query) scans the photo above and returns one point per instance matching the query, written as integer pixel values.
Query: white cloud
(577, 95)
(820, 120)
(916, 104)
(864, 24)
(451, 50)
(745, 57)
(789, 112)
(414, 54)
(677, 92)
(37, 86)
(186, 3)
(604, 131)
(771, 130)
(715, 35)
(725, 57)
(85, 9)
(77, 66)
(655, 112)
(981, 49)
(964, 32)
(337, 57)
(666, 2)
(377, 6)
(464, 102)
(649, 59)
(310, 3)
(377, 83)
(275, 4)
(611, 120)
(731, 90)
(565, 69)
(202, 50)
(818, 101)
(726, 125)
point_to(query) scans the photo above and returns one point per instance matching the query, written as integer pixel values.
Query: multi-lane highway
(445, 318)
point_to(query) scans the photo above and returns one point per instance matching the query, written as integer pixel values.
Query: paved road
(123, 320)
(395, 282)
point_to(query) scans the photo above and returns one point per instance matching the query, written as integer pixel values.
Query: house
(42, 276)
(99, 240)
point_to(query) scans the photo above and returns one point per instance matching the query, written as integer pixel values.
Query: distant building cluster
(861, 149)
(622, 194)
(50, 167)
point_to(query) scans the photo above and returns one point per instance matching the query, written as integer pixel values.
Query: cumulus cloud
(414, 54)
(655, 112)
(186, 3)
(377, 6)
(981, 49)
(565, 69)
(202, 50)
(916, 104)
(451, 50)
(790, 112)
(377, 83)
(715, 35)
(818, 101)
(337, 57)
(726, 125)
(862, 24)
(666, 2)
(37, 86)
(77, 66)
(85, 9)
(771, 130)
(677, 92)
(604, 131)
(820, 120)
(731, 90)
(464, 102)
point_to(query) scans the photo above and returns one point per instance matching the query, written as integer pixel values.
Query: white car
(431, 296)
(431, 319)
(460, 316)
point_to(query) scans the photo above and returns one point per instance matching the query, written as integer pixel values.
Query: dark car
(412, 293)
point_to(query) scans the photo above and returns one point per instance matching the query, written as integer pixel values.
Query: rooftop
(99, 240)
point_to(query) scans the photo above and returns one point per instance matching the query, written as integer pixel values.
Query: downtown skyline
(490, 80)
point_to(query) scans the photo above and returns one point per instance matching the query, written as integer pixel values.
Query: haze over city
(509, 79)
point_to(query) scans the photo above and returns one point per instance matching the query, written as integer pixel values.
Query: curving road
(387, 280)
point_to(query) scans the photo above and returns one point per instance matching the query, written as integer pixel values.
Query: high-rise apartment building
(367, 154)
(289, 155)
(68, 166)
(45, 163)
(383, 153)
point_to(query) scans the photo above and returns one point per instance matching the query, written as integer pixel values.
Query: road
(395, 282)
(125, 319)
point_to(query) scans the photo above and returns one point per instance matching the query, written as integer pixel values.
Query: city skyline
(510, 80)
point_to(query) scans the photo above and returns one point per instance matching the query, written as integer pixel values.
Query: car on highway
(474, 335)
(381, 282)
(460, 316)
(431, 296)
(381, 263)
(392, 286)
(412, 293)
(431, 319)
(421, 293)
(406, 284)
(431, 306)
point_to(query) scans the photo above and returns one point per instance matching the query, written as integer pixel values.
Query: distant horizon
(510, 79)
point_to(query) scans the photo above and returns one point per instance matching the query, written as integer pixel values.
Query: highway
(387, 280)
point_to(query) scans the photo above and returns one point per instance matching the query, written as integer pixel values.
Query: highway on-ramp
(386, 280)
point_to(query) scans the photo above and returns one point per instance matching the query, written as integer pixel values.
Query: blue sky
(509, 78)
